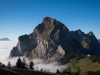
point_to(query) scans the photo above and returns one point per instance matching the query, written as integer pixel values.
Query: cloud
(5, 48)
(52, 67)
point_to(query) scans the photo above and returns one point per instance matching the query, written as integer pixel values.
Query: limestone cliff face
(50, 40)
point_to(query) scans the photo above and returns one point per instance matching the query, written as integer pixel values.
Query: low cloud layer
(6, 47)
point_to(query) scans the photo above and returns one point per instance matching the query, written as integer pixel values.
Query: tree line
(95, 58)
(22, 64)
(71, 55)
(19, 64)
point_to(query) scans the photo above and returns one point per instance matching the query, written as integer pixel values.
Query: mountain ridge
(51, 36)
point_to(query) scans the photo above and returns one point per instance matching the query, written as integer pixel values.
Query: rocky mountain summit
(51, 40)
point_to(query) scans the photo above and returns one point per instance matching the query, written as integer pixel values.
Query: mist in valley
(6, 47)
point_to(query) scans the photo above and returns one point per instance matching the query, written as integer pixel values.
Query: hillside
(84, 64)
(16, 71)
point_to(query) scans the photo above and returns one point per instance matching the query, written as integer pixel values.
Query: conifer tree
(18, 63)
(23, 65)
(31, 65)
(58, 71)
(9, 64)
(41, 69)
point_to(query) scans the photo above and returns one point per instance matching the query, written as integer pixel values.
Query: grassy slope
(84, 64)
(7, 72)
(16, 71)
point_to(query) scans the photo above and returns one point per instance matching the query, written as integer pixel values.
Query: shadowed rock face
(88, 41)
(51, 39)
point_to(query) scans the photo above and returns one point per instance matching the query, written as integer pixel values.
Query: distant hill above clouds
(4, 39)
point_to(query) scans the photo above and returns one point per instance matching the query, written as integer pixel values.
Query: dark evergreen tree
(41, 69)
(71, 55)
(18, 63)
(58, 71)
(9, 65)
(31, 65)
(3, 65)
(94, 58)
(23, 64)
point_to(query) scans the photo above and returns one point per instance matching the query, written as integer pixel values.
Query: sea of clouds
(6, 47)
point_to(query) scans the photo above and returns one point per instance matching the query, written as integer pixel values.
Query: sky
(19, 17)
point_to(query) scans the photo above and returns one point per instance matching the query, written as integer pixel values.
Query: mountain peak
(79, 31)
(50, 27)
(90, 33)
(48, 20)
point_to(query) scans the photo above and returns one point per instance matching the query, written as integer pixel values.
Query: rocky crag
(51, 39)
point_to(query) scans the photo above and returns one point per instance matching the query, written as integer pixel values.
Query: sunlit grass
(84, 64)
